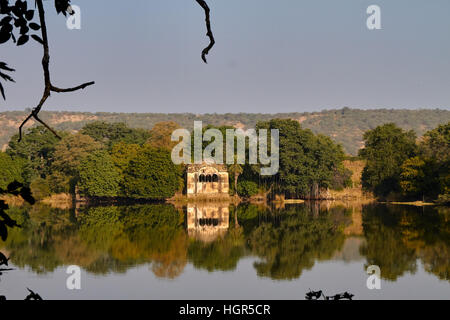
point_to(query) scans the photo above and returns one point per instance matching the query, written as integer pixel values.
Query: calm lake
(217, 251)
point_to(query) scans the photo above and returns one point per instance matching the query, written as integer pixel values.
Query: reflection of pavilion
(207, 221)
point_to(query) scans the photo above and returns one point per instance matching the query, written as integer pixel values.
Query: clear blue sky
(270, 56)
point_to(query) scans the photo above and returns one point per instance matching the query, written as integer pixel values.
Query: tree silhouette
(19, 16)
(16, 189)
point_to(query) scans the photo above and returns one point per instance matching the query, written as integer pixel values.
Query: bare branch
(80, 87)
(34, 113)
(48, 87)
(209, 33)
(21, 126)
(49, 128)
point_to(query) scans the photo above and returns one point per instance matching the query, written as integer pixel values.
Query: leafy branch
(16, 189)
(4, 76)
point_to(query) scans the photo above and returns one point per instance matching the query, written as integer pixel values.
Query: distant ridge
(345, 126)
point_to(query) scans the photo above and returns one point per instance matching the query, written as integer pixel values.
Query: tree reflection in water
(291, 240)
(397, 236)
(286, 240)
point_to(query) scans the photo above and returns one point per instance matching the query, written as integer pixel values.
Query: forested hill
(345, 126)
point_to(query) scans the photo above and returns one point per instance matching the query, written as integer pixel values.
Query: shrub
(247, 189)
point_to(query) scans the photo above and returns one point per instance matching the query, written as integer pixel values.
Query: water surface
(217, 251)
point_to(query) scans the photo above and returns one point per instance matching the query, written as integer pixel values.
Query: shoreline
(410, 203)
(66, 201)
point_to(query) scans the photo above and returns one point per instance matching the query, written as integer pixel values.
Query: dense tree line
(103, 160)
(309, 163)
(400, 166)
(111, 160)
(345, 126)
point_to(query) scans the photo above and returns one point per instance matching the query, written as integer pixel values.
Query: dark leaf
(9, 222)
(29, 15)
(24, 6)
(7, 27)
(6, 20)
(4, 37)
(4, 66)
(2, 92)
(3, 205)
(24, 30)
(4, 6)
(20, 22)
(23, 39)
(17, 11)
(34, 26)
(3, 231)
(13, 186)
(25, 193)
(6, 77)
(61, 6)
(37, 38)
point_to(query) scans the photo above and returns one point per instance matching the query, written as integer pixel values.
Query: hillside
(345, 126)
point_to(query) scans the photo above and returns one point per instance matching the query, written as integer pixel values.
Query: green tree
(307, 162)
(161, 133)
(435, 148)
(122, 153)
(59, 182)
(386, 149)
(98, 176)
(37, 148)
(436, 143)
(152, 175)
(342, 178)
(247, 188)
(40, 188)
(111, 133)
(71, 151)
(328, 158)
(10, 170)
(67, 157)
(418, 179)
